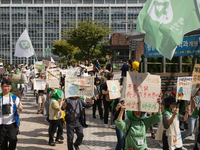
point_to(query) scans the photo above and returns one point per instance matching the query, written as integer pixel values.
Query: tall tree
(99, 53)
(86, 35)
(62, 48)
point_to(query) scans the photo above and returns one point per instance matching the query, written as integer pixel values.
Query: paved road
(33, 132)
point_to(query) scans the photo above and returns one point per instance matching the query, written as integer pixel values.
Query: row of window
(72, 1)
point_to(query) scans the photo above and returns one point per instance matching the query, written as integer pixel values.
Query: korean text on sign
(142, 91)
(184, 85)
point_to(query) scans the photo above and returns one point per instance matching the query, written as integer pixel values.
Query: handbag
(71, 117)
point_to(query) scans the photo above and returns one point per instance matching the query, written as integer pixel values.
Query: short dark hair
(124, 60)
(110, 75)
(7, 82)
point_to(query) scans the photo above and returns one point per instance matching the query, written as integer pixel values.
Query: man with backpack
(73, 107)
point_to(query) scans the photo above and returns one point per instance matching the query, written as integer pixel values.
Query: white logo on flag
(161, 11)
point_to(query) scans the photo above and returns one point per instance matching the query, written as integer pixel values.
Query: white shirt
(8, 119)
(28, 73)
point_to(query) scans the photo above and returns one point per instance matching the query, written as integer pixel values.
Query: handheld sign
(142, 91)
(39, 69)
(39, 84)
(80, 86)
(196, 74)
(53, 77)
(114, 89)
(184, 87)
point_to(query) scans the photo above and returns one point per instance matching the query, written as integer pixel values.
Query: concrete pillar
(180, 64)
(163, 64)
(145, 64)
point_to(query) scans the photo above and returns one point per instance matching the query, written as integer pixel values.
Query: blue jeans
(192, 123)
(120, 139)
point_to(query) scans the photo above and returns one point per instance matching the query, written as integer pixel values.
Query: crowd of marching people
(130, 126)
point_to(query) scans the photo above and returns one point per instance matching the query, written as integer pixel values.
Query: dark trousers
(75, 125)
(106, 110)
(54, 124)
(8, 134)
(98, 102)
(165, 143)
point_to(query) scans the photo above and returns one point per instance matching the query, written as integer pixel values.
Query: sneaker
(160, 143)
(38, 112)
(183, 148)
(52, 144)
(59, 141)
(112, 126)
(106, 125)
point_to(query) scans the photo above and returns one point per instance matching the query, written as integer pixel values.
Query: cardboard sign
(90, 68)
(39, 69)
(80, 86)
(123, 89)
(17, 76)
(39, 84)
(184, 87)
(53, 77)
(38, 62)
(45, 63)
(142, 91)
(2, 70)
(114, 89)
(71, 72)
(196, 74)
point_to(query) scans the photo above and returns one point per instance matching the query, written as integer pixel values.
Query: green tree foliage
(86, 35)
(99, 53)
(62, 48)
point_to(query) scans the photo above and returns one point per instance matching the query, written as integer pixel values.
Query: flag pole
(36, 57)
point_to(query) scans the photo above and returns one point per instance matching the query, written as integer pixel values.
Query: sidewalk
(34, 132)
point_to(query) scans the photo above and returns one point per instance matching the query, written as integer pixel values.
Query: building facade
(45, 19)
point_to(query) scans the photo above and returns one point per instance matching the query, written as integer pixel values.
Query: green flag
(48, 49)
(57, 94)
(166, 21)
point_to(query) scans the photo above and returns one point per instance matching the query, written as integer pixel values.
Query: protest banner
(142, 91)
(184, 87)
(79, 86)
(114, 89)
(196, 74)
(39, 84)
(45, 63)
(39, 69)
(53, 77)
(2, 70)
(71, 72)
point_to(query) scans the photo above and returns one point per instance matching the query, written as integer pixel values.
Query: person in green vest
(17, 71)
(55, 115)
(135, 127)
(171, 134)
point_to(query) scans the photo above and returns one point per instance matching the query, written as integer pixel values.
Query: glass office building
(45, 20)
